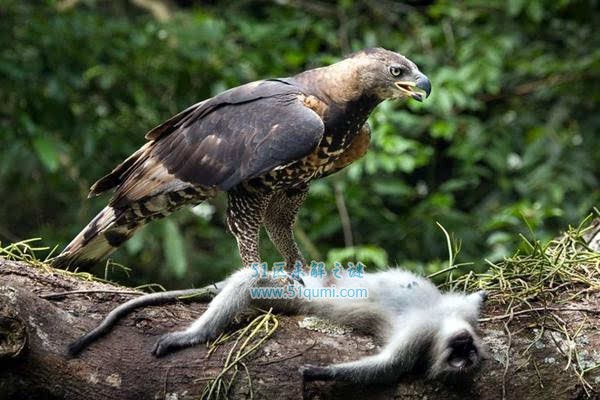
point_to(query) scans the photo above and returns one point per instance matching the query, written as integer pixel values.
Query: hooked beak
(418, 90)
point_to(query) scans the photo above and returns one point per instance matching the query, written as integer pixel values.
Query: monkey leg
(234, 297)
(244, 219)
(279, 220)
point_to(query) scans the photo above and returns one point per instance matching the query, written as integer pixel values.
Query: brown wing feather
(117, 175)
(238, 135)
(170, 125)
(151, 179)
(241, 141)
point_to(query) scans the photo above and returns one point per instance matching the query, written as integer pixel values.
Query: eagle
(262, 143)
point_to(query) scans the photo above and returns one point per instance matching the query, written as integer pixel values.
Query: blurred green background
(509, 134)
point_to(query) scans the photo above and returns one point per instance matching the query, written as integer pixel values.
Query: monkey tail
(102, 236)
(146, 300)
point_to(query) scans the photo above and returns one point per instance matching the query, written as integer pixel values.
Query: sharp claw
(292, 280)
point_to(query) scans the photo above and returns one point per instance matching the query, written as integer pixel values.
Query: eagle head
(388, 75)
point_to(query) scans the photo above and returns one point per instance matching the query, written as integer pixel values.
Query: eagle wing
(238, 135)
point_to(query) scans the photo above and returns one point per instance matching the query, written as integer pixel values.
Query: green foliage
(368, 254)
(175, 252)
(510, 132)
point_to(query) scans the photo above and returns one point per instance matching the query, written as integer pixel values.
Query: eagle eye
(396, 70)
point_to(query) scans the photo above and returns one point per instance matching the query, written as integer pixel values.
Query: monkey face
(463, 351)
(456, 349)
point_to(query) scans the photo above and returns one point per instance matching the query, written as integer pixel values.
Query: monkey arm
(397, 357)
(378, 367)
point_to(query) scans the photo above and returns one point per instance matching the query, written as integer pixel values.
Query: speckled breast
(298, 173)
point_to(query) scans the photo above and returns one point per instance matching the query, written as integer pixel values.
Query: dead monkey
(417, 324)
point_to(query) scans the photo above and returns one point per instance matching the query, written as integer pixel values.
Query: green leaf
(47, 150)
(174, 248)
(366, 254)
(515, 6)
(136, 243)
(443, 129)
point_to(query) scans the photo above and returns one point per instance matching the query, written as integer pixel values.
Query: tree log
(34, 332)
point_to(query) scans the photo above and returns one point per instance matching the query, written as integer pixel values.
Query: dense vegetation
(507, 142)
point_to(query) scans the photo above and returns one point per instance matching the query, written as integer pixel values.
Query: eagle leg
(244, 218)
(279, 219)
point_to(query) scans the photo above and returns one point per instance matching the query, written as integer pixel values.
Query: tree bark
(34, 332)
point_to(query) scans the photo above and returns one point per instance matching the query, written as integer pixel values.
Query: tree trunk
(34, 332)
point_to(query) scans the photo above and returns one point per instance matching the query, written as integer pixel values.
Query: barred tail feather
(118, 221)
(97, 240)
